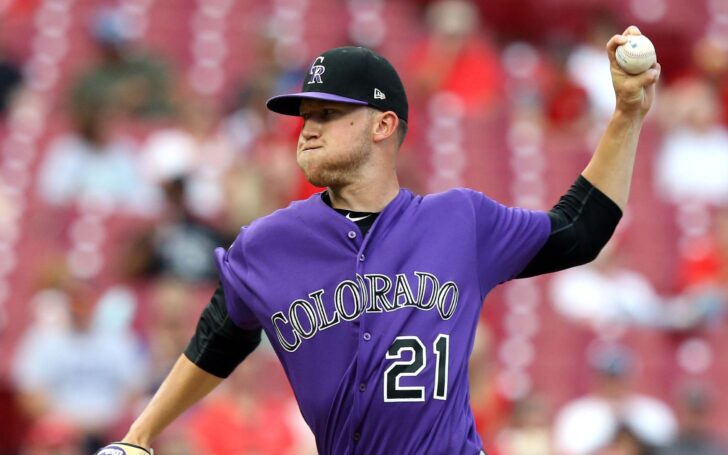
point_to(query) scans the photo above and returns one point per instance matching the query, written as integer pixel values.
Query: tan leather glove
(123, 448)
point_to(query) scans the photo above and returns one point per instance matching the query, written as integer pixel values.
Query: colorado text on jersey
(369, 293)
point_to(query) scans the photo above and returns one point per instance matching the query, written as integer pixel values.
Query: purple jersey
(375, 332)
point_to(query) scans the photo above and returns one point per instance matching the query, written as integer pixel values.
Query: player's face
(335, 141)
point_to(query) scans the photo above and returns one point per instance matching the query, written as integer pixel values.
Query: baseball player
(370, 294)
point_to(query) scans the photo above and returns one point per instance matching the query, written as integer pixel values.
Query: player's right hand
(123, 448)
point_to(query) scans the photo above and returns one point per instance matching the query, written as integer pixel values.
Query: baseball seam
(637, 54)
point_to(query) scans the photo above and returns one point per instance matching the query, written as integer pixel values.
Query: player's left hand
(635, 93)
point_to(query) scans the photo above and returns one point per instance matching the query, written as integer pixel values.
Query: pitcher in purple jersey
(370, 294)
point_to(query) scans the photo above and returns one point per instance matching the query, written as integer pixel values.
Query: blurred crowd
(121, 171)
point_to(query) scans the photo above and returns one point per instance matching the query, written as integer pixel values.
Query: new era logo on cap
(378, 95)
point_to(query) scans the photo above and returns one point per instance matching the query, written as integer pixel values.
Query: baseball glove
(123, 448)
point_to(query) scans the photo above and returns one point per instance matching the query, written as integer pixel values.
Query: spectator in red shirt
(707, 262)
(456, 58)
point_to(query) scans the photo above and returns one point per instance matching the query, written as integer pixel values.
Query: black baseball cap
(353, 75)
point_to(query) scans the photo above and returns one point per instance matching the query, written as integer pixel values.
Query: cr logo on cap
(316, 71)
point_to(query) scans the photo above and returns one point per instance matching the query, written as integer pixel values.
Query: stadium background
(136, 127)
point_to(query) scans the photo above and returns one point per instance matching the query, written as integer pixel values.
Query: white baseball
(636, 55)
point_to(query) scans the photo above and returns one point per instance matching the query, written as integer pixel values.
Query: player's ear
(384, 125)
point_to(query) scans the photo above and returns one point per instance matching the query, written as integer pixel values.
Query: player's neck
(364, 196)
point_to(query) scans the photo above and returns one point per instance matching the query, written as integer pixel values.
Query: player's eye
(329, 113)
(320, 115)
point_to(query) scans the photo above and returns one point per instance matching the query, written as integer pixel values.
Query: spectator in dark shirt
(178, 245)
(695, 438)
(10, 80)
(124, 77)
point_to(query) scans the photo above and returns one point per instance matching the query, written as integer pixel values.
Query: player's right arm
(216, 349)
(185, 385)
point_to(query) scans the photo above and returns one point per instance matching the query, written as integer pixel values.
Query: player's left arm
(586, 216)
(582, 222)
(611, 166)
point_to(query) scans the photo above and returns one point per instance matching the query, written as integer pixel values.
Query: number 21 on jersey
(393, 391)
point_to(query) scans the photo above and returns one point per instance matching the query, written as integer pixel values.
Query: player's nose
(310, 129)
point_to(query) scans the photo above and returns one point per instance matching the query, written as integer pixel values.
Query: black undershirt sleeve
(218, 345)
(582, 222)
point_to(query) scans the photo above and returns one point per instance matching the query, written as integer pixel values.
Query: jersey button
(362, 387)
(352, 234)
(362, 257)
(357, 436)
(367, 336)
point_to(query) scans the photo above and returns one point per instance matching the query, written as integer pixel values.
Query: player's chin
(311, 172)
(320, 177)
(320, 180)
